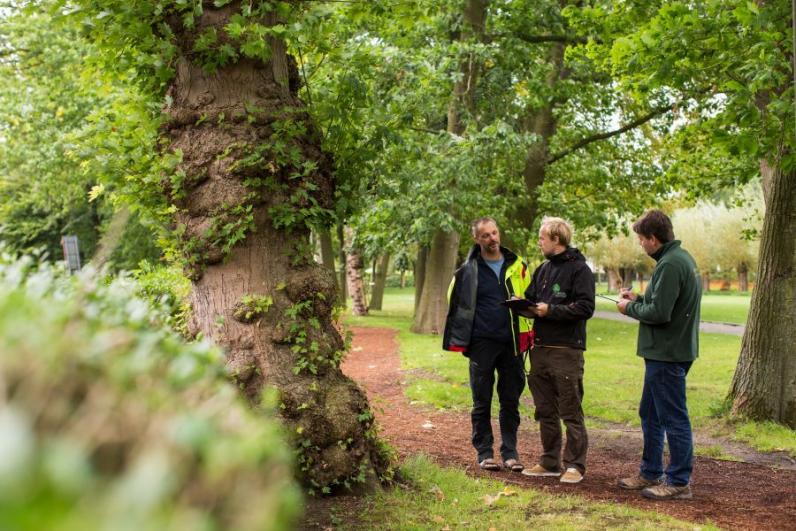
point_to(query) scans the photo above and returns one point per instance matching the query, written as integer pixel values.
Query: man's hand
(626, 294)
(541, 309)
(621, 305)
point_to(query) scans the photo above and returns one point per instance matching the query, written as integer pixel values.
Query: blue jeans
(663, 412)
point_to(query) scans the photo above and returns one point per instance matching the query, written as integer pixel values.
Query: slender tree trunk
(420, 272)
(258, 293)
(705, 281)
(764, 385)
(111, 238)
(327, 253)
(403, 279)
(380, 279)
(355, 266)
(433, 307)
(743, 277)
(614, 280)
(541, 122)
(343, 281)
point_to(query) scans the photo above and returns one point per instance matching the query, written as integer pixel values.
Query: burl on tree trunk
(251, 168)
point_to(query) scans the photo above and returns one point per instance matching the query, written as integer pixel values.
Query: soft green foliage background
(110, 420)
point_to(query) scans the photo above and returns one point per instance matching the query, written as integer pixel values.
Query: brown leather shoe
(572, 475)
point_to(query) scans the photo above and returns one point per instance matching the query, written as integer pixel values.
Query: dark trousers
(663, 412)
(487, 357)
(556, 383)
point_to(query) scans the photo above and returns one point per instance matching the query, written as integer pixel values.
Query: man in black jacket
(493, 337)
(563, 290)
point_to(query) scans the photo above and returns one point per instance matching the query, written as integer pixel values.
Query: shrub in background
(110, 421)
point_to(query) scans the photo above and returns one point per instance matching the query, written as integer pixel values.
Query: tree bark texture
(355, 266)
(542, 123)
(743, 277)
(764, 384)
(614, 280)
(380, 279)
(705, 281)
(327, 253)
(260, 295)
(343, 279)
(433, 306)
(420, 272)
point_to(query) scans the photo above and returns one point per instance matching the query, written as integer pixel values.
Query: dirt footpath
(734, 495)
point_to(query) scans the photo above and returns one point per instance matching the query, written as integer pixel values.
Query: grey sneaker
(668, 492)
(639, 482)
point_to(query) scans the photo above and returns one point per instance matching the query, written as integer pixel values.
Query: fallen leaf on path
(427, 425)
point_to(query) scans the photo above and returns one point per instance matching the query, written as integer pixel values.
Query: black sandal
(489, 464)
(513, 465)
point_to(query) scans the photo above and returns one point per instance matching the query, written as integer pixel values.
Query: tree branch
(602, 136)
(534, 39)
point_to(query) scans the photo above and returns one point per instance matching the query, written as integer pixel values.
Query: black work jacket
(566, 284)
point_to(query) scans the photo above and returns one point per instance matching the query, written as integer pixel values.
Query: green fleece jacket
(668, 311)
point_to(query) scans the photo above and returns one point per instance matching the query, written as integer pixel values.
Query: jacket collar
(568, 254)
(508, 255)
(665, 248)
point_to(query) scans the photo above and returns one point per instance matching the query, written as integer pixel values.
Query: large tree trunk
(420, 272)
(764, 385)
(379, 280)
(327, 252)
(257, 292)
(433, 306)
(354, 267)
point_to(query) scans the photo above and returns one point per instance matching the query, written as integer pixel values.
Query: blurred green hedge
(108, 420)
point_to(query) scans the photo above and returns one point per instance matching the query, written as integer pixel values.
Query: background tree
(731, 61)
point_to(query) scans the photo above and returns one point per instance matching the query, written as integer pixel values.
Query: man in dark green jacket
(668, 340)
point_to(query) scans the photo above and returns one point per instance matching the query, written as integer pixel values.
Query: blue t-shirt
(491, 319)
(496, 265)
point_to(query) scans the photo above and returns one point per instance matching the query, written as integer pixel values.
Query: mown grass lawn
(721, 308)
(613, 377)
(439, 498)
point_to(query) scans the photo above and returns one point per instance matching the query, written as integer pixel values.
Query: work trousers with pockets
(486, 358)
(556, 383)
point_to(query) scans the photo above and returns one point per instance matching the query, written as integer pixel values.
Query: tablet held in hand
(518, 304)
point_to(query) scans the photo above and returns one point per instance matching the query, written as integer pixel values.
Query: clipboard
(518, 304)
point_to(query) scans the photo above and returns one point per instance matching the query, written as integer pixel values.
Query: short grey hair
(476, 222)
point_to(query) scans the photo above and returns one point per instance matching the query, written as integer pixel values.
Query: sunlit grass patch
(439, 498)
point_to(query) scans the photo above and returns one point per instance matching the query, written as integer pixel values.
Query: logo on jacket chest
(557, 293)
